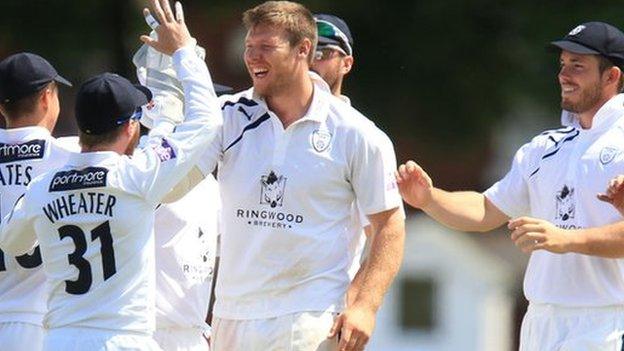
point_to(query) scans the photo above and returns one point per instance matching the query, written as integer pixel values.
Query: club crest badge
(272, 192)
(577, 30)
(321, 139)
(607, 154)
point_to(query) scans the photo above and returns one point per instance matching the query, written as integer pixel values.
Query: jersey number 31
(83, 283)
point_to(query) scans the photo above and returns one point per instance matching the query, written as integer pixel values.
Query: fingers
(530, 242)
(361, 342)
(345, 338)
(158, 11)
(149, 19)
(521, 221)
(412, 171)
(415, 169)
(355, 341)
(613, 183)
(167, 10)
(336, 327)
(400, 173)
(605, 198)
(147, 40)
(179, 12)
(397, 176)
(526, 228)
(352, 342)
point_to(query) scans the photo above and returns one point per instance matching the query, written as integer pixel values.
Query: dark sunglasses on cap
(135, 116)
(328, 30)
(327, 53)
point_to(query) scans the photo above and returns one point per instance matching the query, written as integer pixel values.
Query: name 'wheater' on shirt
(94, 217)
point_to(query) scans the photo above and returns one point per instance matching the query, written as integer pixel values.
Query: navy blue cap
(333, 30)
(106, 101)
(595, 38)
(25, 73)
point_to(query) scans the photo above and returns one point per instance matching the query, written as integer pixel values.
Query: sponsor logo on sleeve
(33, 149)
(90, 177)
(391, 183)
(164, 151)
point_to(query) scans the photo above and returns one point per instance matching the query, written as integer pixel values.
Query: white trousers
(81, 339)
(174, 339)
(555, 328)
(306, 331)
(16, 336)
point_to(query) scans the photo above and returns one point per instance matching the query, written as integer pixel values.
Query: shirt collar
(610, 112)
(345, 99)
(19, 134)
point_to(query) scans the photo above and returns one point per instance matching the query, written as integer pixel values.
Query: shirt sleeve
(167, 158)
(373, 169)
(511, 194)
(17, 236)
(212, 155)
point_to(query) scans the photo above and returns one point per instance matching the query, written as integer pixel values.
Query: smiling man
(292, 160)
(575, 278)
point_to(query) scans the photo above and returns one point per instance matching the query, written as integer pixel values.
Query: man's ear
(45, 98)
(304, 49)
(347, 64)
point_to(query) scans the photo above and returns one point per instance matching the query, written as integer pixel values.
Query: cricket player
(292, 160)
(94, 217)
(333, 59)
(186, 236)
(185, 229)
(30, 105)
(575, 277)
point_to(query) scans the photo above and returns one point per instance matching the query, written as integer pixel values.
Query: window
(417, 296)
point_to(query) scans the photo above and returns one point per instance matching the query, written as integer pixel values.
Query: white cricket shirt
(287, 194)
(94, 217)
(186, 240)
(25, 153)
(556, 177)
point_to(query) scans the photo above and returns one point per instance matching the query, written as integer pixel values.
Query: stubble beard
(588, 100)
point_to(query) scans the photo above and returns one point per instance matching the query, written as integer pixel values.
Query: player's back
(94, 227)
(25, 153)
(186, 235)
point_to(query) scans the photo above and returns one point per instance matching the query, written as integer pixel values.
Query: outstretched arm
(461, 210)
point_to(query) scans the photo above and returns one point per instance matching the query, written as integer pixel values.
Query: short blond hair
(293, 17)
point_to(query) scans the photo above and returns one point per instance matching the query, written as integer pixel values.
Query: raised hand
(172, 31)
(415, 185)
(615, 193)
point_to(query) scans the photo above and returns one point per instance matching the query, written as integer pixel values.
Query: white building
(451, 294)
